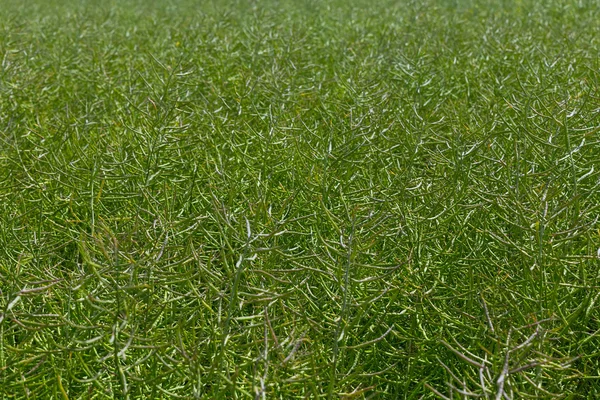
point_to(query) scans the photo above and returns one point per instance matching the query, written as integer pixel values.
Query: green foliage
(299, 199)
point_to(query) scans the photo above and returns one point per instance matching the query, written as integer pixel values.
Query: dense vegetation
(299, 199)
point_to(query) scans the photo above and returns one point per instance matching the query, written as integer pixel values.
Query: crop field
(299, 199)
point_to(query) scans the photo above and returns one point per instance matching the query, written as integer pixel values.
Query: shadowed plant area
(299, 199)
